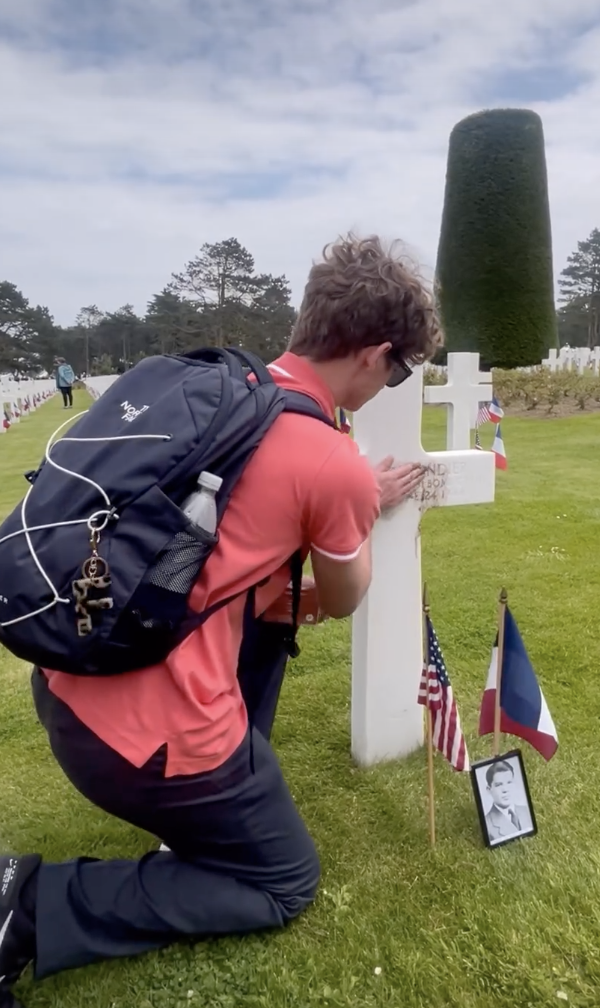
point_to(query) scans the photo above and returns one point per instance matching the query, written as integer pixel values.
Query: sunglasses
(400, 372)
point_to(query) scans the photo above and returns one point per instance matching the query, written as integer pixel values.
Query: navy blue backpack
(98, 561)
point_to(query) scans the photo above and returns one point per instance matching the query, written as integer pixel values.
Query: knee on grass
(300, 895)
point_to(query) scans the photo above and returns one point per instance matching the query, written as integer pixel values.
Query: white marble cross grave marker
(466, 389)
(387, 646)
(565, 358)
(582, 359)
(551, 362)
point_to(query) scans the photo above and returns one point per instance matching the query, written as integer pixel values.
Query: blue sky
(135, 130)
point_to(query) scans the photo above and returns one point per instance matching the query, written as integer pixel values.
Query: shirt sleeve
(343, 504)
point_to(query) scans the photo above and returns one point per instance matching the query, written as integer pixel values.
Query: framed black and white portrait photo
(503, 799)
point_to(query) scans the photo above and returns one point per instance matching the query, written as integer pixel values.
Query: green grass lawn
(396, 924)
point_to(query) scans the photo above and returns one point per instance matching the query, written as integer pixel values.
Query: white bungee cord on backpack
(96, 522)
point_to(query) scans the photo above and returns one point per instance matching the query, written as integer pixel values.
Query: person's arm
(343, 505)
(342, 585)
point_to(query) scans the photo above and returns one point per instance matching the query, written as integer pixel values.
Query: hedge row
(546, 390)
(539, 390)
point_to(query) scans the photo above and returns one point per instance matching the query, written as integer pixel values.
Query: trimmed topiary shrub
(494, 268)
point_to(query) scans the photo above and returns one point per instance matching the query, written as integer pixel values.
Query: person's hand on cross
(397, 482)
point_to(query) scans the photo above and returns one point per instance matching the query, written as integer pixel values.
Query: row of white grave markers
(581, 359)
(19, 399)
(387, 645)
(98, 385)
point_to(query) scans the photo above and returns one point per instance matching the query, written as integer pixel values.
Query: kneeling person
(181, 749)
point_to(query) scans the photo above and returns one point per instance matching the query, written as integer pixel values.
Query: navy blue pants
(242, 858)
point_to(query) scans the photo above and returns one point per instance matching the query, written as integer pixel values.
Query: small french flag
(495, 410)
(524, 711)
(499, 450)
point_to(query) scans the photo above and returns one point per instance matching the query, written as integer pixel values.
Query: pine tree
(579, 284)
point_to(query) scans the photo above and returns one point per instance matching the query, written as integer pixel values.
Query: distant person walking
(65, 377)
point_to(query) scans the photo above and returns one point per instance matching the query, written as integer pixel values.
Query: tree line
(219, 299)
(579, 282)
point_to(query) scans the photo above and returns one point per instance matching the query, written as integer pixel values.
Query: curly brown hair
(361, 295)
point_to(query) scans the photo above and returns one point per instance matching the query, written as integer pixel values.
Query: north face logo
(8, 877)
(131, 412)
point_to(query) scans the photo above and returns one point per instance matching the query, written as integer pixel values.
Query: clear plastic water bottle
(177, 567)
(201, 507)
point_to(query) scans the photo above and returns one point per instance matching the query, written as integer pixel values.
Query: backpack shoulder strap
(253, 364)
(291, 642)
(295, 402)
(240, 363)
(299, 402)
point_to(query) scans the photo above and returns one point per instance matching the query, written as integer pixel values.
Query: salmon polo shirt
(306, 487)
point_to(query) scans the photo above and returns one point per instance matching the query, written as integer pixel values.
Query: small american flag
(490, 413)
(435, 692)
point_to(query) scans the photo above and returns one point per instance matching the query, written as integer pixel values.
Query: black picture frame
(496, 819)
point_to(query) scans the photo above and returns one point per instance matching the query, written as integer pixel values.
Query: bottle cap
(210, 481)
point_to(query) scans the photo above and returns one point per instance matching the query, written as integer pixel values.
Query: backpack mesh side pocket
(161, 600)
(178, 566)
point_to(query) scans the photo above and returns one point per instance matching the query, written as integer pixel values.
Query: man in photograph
(505, 818)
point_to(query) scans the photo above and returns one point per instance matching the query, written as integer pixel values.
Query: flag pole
(428, 721)
(502, 603)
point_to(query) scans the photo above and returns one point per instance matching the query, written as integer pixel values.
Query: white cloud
(116, 168)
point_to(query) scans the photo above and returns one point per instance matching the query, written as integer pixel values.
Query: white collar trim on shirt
(275, 367)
